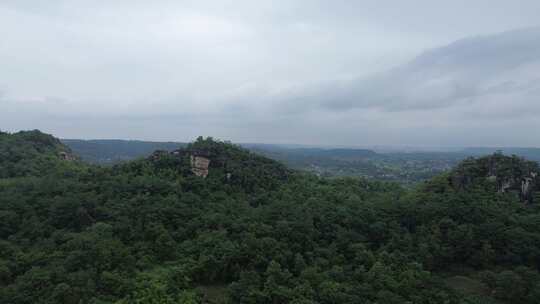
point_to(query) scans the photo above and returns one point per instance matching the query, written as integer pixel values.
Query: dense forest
(254, 231)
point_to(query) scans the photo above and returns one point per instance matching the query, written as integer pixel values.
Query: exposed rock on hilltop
(508, 174)
(199, 165)
(224, 161)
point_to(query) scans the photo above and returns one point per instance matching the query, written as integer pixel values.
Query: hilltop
(222, 162)
(31, 153)
(504, 174)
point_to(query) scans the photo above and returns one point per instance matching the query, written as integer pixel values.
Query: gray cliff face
(67, 156)
(199, 165)
(508, 174)
(527, 189)
(199, 161)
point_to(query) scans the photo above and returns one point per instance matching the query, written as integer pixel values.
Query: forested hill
(31, 153)
(504, 174)
(214, 223)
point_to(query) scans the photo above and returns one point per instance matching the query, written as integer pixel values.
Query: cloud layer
(316, 72)
(503, 68)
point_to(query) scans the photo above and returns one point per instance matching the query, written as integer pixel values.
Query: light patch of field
(214, 294)
(474, 290)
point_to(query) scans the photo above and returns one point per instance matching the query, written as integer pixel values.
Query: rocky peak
(31, 153)
(509, 174)
(67, 156)
(199, 165)
(199, 160)
(225, 162)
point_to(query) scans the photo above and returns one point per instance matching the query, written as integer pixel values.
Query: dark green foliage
(499, 173)
(31, 153)
(150, 231)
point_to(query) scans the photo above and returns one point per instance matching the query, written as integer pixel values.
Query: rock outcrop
(199, 161)
(66, 156)
(509, 174)
(223, 162)
(199, 165)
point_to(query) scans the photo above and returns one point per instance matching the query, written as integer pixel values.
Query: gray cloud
(503, 66)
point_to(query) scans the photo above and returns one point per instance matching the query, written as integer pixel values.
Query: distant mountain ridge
(403, 166)
(110, 151)
(529, 153)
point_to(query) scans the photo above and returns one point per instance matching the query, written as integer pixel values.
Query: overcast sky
(341, 72)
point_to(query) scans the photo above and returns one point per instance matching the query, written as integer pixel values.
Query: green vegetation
(32, 153)
(253, 231)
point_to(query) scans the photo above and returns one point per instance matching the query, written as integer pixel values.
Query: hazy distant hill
(308, 155)
(401, 166)
(112, 151)
(529, 153)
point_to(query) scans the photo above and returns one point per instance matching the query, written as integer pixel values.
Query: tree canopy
(253, 231)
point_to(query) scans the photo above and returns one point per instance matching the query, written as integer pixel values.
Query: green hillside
(215, 223)
(32, 153)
